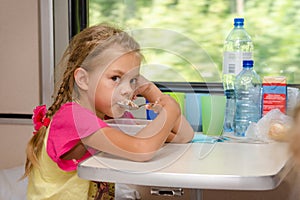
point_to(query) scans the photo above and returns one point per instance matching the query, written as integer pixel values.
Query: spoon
(130, 105)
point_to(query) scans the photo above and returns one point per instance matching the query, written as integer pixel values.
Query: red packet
(274, 94)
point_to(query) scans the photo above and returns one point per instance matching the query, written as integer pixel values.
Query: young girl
(102, 69)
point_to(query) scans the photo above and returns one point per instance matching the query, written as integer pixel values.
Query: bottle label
(233, 61)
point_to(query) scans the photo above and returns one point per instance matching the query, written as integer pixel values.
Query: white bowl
(128, 126)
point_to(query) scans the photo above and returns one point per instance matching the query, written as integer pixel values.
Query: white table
(225, 166)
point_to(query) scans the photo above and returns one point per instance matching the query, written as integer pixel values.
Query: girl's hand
(165, 102)
(146, 89)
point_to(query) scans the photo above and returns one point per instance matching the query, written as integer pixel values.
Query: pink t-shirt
(69, 124)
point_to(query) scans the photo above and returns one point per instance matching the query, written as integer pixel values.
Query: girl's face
(115, 83)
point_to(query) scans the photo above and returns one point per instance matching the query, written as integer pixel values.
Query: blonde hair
(92, 42)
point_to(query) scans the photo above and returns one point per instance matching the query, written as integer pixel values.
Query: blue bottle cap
(238, 22)
(248, 63)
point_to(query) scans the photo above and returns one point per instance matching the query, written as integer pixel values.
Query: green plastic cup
(213, 112)
(180, 98)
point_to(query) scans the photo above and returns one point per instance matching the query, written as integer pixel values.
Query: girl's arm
(143, 146)
(182, 132)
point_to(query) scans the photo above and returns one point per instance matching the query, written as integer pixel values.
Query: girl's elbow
(186, 139)
(189, 139)
(190, 136)
(187, 135)
(143, 157)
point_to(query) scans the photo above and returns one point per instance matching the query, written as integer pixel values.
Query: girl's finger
(154, 106)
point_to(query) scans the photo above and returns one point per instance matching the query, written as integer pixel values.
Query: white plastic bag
(272, 120)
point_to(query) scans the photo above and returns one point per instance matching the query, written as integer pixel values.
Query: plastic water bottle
(238, 47)
(248, 93)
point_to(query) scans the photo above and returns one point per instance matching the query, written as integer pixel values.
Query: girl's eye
(116, 79)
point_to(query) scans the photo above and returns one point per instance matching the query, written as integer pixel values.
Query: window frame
(79, 8)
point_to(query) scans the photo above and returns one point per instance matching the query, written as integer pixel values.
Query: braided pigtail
(33, 150)
(35, 145)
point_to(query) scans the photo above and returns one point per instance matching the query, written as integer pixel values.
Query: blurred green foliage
(273, 24)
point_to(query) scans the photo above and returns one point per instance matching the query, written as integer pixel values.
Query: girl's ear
(81, 78)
